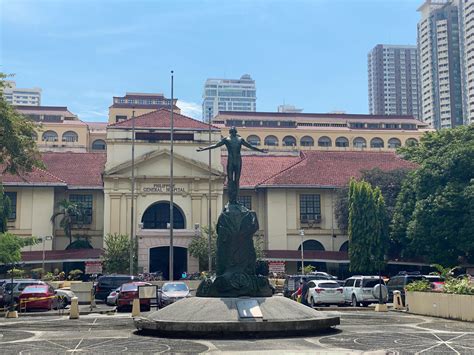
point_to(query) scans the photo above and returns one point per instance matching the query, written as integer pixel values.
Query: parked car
(171, 292)
(325, 292)
(436, 282)
(108, 283)
(399, 282)
(112, 297)
(16, 288)
(128, 292)
(364, 290)
(64, 295)
(38, 297)
(292, 282)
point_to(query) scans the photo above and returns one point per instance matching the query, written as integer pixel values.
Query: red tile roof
(315, 168)
(76, 170)
(162, 119)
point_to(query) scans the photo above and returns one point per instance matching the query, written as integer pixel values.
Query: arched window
(342, 142)
(411, 142)
(253, 139)
(99, 144)
(344, 247)
(324, 142)
(271, 140)
(157, 216)
(359, 142)
(312, 244)
(49, 136)
(70, 136)
(394, 143)
(307, 141)
(289, 141)
(376, 143)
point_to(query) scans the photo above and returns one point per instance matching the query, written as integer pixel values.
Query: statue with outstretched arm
(234, 144)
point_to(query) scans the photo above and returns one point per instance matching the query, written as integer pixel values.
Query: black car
(108, 283)
(399, 282)
(292, 282)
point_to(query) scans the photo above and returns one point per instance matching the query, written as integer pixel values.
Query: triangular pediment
(156, 164)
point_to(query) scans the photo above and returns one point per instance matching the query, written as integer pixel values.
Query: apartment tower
(393, 80)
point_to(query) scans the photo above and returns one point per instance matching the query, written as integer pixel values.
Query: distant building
(289, 109)
(24, 97)
(141, 103)
(229, 95)
(445, 45)
(393, 80)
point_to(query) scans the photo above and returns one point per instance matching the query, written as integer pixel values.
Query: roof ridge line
(282, 171)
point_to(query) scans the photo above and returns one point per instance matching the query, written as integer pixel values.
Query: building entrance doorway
(160, 260)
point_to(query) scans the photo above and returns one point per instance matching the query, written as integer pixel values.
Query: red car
(128, 292)
(38, 297)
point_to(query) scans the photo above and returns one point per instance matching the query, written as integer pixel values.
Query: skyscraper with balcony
(229, 95)
(393, 80)
(446, 59)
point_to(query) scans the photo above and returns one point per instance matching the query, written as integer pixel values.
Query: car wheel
(354, 302)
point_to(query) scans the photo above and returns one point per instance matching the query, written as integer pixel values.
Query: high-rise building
(229, 95)
(23, 97)
(393, 80)
(445, 45)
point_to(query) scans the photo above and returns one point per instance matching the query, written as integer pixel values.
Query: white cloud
(93, 115)
(190, 109)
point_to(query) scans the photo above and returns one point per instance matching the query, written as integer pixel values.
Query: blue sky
(310, 53)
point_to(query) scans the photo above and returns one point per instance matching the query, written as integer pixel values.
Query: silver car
(112, 297)
(171, 292)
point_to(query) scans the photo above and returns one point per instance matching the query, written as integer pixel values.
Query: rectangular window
(246, 201)
(310, 208)
(86, 202)
(12, 197)
(119, 118)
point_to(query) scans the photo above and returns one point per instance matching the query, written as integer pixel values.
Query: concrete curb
(65, 313)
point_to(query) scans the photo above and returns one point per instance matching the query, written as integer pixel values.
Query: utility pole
(302, 251)
(171, 257)
(132, 204)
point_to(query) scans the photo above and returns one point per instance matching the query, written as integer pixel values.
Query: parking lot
(360, 331)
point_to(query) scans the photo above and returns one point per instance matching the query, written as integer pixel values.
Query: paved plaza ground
(360, 331)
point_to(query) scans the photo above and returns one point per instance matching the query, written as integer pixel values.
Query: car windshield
(371, 283)
(328, 285)
(35, 289)
(175, 287)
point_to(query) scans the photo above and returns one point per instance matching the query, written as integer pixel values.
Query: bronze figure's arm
(250, 146)
(217, 145)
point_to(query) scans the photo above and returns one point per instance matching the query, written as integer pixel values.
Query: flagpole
(171, 257)
(209, 225)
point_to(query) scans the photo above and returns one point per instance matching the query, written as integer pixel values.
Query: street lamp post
(44, 239)
(302, 251)
(209, 209)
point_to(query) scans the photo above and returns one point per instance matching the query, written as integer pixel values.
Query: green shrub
(420, 286)
(75, 274)
(458, 286)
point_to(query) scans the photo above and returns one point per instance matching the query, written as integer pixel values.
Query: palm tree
(71, 213)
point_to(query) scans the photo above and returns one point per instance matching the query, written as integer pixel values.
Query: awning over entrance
(61, 256)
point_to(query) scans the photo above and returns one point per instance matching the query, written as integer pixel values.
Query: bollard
(381, 307)
(11, 314)
(397, 300)
(93, 305)
(74, 310)
(136, 307)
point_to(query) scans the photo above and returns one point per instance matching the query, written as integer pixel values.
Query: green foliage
(444, 272)
(198, 248)
(37, 273)
(458, 286)
(10, 247)
(390, 184)
(5, 210)
(419, 285)
(69, 212)
(17, 273)
(368, 227)
(18, 151)
(308, 269)
(434, 213)
(75, 274)
(116, 257)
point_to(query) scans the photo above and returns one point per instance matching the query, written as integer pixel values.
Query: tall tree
(10, 247)
(116, 257)
(71, 212)
(5, 210)
(434, 214)
(368, 227)
(18, 151)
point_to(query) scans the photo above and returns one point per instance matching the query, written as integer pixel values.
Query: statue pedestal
(236, 258)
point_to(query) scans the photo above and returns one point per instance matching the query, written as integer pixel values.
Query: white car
(325, 292)
(112, 297)
(364, 290)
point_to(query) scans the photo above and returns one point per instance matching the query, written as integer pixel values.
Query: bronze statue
(234, 144)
